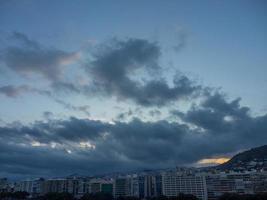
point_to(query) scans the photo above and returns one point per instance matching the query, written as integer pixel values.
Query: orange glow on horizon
(213, 160)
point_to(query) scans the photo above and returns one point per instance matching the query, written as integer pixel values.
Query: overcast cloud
(130, 71)
(91, 147)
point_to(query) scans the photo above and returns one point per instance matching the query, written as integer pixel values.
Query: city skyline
(98, 87)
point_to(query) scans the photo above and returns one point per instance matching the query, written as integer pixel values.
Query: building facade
(174, 183)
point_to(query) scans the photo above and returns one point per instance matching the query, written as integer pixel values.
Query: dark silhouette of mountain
(255, 158)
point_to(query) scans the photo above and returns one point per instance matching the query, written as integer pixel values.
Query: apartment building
(174, 183)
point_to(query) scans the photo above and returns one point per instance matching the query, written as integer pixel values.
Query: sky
(94, 87)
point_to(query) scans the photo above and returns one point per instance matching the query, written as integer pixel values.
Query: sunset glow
(213, 161)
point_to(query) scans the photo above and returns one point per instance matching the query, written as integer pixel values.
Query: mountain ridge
(254, 158)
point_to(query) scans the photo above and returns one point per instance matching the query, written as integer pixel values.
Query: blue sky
(219, 47)
(225, 41)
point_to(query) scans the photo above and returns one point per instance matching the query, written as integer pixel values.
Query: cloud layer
(130, 71)
(217, 127)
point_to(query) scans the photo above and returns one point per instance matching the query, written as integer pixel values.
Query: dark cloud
(227, 124)
(216, 114)
(218, 103)
(28, 56)
(66, 146)
(31, 148)
(126, 69)
(115, 67)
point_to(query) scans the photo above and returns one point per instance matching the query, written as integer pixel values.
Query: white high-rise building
(174, 183)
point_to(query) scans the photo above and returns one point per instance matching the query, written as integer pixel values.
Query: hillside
(255, 158)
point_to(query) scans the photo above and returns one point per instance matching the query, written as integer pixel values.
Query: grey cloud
(131, 145)
(227, 124)
(215, 113)
(113, 70)
(28, 56)
(114, 67)
(148, 142)
(115, 145)
(218, 103)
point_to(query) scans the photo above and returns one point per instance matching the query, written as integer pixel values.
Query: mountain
(253, 159)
